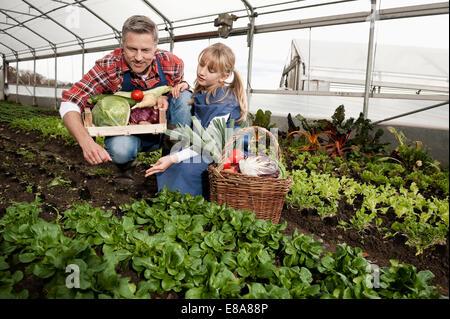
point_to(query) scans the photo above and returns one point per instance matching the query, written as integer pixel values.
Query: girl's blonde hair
(220, 58)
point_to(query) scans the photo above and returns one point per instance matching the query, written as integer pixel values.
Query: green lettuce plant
(184, 244)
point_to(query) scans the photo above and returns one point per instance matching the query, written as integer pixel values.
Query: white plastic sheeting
(38, 27)
(318, 107)
(41, 24)
(44, 23)
(345, 62)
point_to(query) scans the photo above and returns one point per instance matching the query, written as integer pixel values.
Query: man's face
(139, 51)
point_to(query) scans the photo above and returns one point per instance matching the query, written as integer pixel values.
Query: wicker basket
(263, 195)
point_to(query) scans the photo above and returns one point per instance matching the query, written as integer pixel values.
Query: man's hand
(148, 101)
(94, 153)
(161, 165)
(180, 87)
(163, 103)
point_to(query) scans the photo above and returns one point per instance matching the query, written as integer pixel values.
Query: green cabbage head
(111, 111)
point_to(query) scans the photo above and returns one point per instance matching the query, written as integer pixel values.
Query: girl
(213, 98)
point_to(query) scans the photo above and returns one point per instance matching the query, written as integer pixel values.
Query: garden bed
(376, 248)
(47, 167)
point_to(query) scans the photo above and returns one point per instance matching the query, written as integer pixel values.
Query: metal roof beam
(53, 46)
(422, 97)
(234, 11)
(250, 36)
(6, 23)
(249, 7)
(116, 33)
(306, 6)
(79, 39)
(32, 50)
(12, 50)
(66, 44)
(166, 21)
(42, 15)
(22, 13)
(370, 58)
(357, 17)
(386, 14)
(68, 53)
(59, 1)
(411, 112)
(393, 13)
(414, 11)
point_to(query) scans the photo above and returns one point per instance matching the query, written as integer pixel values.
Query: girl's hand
(161, 165)
(180, 87)
(163, 103)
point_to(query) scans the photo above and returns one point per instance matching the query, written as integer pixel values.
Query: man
(138, 64)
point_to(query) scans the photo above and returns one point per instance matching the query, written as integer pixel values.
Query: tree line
(27, 77)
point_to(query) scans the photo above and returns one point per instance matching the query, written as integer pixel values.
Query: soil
(30, 163)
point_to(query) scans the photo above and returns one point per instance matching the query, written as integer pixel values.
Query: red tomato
(226, 163)
(235, 156)
(137, 95)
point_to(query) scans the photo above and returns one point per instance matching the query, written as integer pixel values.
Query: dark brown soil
(30, 163)
(375, 247)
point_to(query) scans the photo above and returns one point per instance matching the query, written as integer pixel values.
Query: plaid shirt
(107, 76)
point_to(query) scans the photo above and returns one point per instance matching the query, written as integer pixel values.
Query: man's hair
(140, 24)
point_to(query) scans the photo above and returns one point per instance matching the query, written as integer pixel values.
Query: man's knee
(122, 149)
(180, 109)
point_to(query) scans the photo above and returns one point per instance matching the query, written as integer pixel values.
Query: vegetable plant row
(323, 184)
(338, 165)
(198, 249)
(189, 246)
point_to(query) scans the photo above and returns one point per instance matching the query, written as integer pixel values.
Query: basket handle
(259, 130)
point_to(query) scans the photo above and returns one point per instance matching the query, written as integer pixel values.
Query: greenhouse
(241, 149)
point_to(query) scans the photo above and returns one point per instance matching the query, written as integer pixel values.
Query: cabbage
(259, 165)
(111, 111)
(114, 110)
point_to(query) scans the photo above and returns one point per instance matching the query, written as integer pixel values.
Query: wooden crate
(124, 130)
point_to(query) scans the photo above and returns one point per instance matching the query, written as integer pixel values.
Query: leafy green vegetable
(111, 111)
(186, 245)
(262, 119)
(96, 98)
(211, 139)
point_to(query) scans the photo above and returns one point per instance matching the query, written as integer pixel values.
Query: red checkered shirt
(107, 76)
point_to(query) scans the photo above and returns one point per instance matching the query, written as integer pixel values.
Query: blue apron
(191, 176)
(148, 140)
(128, 86)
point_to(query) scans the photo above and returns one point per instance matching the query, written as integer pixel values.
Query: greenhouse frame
(19, 21)
(302, 62)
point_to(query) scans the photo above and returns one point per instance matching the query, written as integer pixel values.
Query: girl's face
(209, 77)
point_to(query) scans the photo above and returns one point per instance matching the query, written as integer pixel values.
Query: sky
(271, 49)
